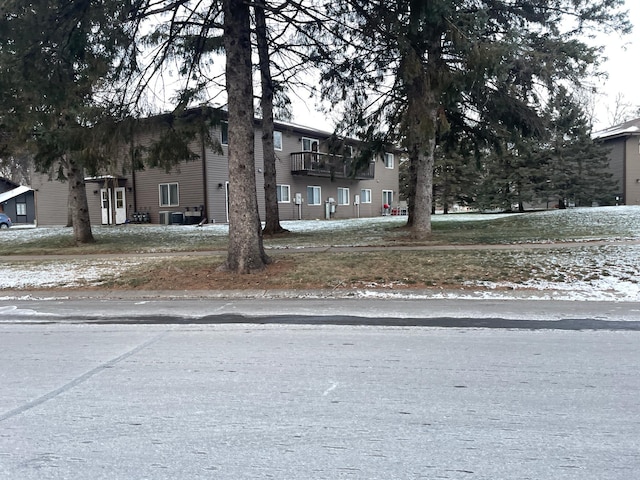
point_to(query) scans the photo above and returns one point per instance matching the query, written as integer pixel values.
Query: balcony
(316, 164)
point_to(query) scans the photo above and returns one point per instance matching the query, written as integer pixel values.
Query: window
(313, 196)
(343, 196)
(120, 197)
(169, 195)
(365, 195)
(277, 140)
(283, 192)
(21, 209)
(388, 160)
(310, 144)
(350, 152)
(387, 197)
(224, 133)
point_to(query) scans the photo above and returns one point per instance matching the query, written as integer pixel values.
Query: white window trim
(319, 195)
(168, 185)
(384, 200)
(288, 190)
(276, 133)
(21, 209)
(391, 164)
(311, 142)
(366, 199)
(343, 196)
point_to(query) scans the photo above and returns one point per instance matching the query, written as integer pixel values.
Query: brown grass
(409, 269)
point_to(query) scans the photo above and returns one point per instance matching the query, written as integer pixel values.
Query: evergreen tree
(246, 251)
(415, 68)
(57, 58)
(577, 167)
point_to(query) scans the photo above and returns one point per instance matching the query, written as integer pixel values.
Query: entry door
(121, 209)
(106, 206)
(226, 200)
(107, 200)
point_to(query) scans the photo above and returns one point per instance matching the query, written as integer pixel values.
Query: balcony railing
(326, 165)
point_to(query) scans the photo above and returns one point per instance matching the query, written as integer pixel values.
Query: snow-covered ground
(584, 272)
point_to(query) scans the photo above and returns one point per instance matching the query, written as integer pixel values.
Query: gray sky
(623, 67)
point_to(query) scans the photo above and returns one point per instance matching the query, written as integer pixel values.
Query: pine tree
(415, 68)
(56, 59)
(577, 167)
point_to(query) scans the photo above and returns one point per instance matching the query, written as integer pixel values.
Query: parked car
(5, 221)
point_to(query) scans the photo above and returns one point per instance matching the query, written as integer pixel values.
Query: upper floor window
(388, 160)
(169, 195)
(277, 140)
(310, 144)
(224, 133)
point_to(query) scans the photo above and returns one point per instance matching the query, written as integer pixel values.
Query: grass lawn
(467, 250)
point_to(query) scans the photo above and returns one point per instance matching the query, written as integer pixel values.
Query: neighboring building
(624, 158)
(17, 201)
(308, 178)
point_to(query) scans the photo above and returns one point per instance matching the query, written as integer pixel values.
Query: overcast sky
(622, 66)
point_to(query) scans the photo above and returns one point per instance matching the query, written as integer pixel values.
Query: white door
(105, 204)
(121, 209)
(226, 189)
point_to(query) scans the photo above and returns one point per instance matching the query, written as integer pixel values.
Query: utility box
(177, 218)
(329, 208)
(164, 218)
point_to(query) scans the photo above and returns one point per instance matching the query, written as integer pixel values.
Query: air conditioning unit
(165, 218)
(177, 218)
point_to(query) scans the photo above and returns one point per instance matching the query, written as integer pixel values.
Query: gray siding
(191, 185)
(210, 191)
(217, 167)
(632, 180)
(52, 199)
(616, 162)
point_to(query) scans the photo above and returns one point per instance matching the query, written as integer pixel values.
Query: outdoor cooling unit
(165, 218)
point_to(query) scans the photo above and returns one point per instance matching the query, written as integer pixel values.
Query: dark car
(5, 221)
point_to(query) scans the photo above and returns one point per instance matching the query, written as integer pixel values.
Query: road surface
(153, 394)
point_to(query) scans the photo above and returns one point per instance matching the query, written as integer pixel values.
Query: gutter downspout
(205, 186)
(133, 175)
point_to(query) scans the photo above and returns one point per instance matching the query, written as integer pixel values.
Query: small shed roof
(14, 193)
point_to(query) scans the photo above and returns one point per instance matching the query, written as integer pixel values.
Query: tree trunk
(420, 135)
(423, 200)
(246, 251)
(411, 188)
(421, 140)
(272, 213)
(78, 204)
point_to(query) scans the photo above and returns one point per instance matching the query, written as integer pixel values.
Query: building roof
(626, 129)
(14, 193)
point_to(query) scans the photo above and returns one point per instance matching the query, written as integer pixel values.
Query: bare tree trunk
(411, 190)
(272, 213)
(78, 204)
(421, 143)
(424, 188)
(246, 251)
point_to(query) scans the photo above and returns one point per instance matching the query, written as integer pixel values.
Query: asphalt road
(190, 397)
